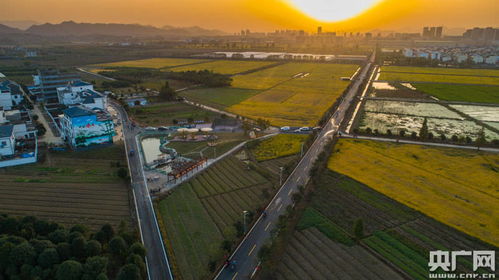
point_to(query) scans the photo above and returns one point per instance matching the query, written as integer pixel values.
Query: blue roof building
(82, 127)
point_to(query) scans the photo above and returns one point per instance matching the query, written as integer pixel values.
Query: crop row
(317, 256)
(399, 254)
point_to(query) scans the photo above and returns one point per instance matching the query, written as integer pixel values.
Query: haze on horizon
(257, 15)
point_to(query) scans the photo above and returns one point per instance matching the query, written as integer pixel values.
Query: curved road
(245, 254)
(158, 267)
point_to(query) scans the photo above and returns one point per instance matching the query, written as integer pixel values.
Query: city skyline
(232, 15)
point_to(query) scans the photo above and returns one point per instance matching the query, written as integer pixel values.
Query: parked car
(303, 129)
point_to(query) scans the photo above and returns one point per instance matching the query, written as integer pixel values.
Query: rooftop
(6, 130)
(78, 111)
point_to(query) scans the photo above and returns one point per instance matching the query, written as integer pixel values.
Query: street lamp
(244, 221)
(280, 175)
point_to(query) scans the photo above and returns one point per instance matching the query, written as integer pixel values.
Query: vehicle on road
(163, 128)
(150, 128)
(303, 129)
(131, 153)
(285, 128)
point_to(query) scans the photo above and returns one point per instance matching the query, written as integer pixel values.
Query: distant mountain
(73, 29)
(4, 29)
(194, 31)
(21, 24)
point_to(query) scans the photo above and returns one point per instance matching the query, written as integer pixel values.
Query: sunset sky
(262, 15)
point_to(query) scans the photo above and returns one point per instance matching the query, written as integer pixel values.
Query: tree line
(35, 249)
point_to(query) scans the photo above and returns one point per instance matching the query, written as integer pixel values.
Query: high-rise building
(439, 32)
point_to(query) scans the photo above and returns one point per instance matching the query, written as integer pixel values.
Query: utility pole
(280, 175)
(301, 153)
(244, 221)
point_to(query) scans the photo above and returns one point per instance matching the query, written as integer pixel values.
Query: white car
(150, 128)
(285, 128)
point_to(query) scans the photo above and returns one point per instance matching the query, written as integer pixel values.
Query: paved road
(245, 254)
(156, 259)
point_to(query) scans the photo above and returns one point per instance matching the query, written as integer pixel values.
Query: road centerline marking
(290, 191)
(280, 206)
(268, 225)
(252, 249)
(235, 275)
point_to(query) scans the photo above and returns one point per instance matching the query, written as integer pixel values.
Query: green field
(434, 70)
(294, 94)
(69, 188)
(219, 97)
(156, 63)
(161, 114)
(201, 213)
(279, 146)
(224, 66)
(465, 93)
(435, 78)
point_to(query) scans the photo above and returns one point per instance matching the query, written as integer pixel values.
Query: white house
(476, 58)
(408, 52)
(493, 59)
(460, 58)
(81, 93)
(446, 58)
(7, 140)
(10, 94)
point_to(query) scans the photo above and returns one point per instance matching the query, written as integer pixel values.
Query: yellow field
(435, 70)
(293, 101)
(224, 66)
(155, 63)
(279, 146)
(456, 187)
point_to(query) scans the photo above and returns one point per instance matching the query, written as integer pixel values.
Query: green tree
(94, 266)
(64, 250)
(167, 93)
(122, 173)
(138, 261)
(23, 253)
(102, 276)
(358, 229)
(118, 246)
(481, 140)
(78, 247)
(58, 236)
(93, 248)
(138, 248)
(108, 231)
(48, 258)
(69, 270)
(423, 132)
(129, 272)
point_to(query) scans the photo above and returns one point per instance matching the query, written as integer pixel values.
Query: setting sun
(332, 10)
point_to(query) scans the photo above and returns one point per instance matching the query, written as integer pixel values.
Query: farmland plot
(448, 71)
(311, 255)
(322, 246)
(436, 78)
(429, 180)
(483, 113)
(465, 93)
(202, 212)
(293, 94)
(279, 146)
(155, 63)
(224, 66)
(68, 191)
